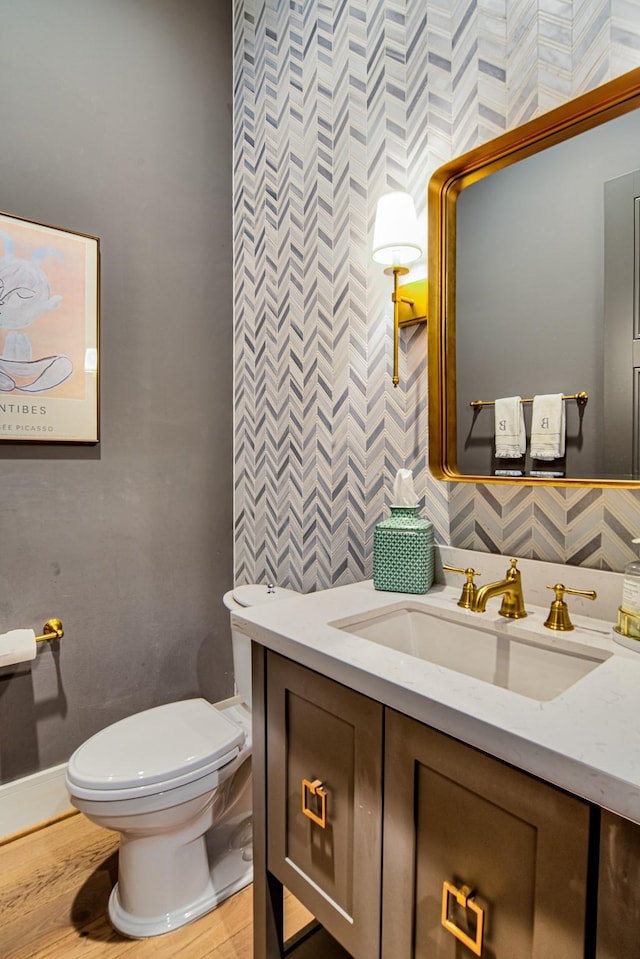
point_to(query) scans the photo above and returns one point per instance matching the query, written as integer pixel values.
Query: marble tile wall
(336, 102)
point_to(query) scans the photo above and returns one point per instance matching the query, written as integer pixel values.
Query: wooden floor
(54, 887)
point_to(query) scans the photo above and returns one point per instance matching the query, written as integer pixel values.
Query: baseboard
(27, 802)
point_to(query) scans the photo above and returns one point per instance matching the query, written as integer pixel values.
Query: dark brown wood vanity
(412, 818)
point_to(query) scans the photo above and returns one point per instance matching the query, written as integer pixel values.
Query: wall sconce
(396, 243)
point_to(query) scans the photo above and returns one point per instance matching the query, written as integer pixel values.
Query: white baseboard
(33, 799)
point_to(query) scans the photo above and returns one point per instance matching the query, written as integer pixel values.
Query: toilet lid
(254, 595)
(182, 739)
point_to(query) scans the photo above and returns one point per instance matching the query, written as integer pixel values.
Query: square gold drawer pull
(464, 897)
(315, 788)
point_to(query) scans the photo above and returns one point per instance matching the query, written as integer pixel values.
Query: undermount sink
(525, 664)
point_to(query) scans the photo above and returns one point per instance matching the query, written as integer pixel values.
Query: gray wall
(115, 120)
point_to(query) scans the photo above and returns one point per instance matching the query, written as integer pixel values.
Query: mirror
(534, 289)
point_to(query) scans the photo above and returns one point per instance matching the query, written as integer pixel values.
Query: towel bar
(580, 398)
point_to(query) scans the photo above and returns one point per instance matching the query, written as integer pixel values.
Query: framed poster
(49, 333)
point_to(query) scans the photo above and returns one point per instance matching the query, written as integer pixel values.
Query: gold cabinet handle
(315, 788)
(464, 897)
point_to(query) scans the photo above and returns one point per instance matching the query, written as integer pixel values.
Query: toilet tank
(240, 598)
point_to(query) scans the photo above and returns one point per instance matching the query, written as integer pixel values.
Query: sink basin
(525, 664)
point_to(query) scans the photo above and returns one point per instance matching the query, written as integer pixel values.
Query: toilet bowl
(175, 782)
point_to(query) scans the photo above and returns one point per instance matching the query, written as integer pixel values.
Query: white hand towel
(511, 439)
(548, 427)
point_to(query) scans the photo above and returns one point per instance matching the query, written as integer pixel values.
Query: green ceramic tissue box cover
(403, 557)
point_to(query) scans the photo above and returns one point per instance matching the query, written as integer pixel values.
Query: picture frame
(49, 333)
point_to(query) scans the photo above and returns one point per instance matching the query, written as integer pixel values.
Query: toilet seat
(181, 742)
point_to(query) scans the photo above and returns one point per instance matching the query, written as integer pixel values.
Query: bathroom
(117, 122)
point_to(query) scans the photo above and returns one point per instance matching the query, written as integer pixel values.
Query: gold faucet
(510, 588)
(558, 617)
(470, 589)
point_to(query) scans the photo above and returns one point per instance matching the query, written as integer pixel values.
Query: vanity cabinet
(502, 855)
(324, 744)
(619, 889)
(370, 818)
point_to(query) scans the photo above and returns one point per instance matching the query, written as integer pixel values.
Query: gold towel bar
(580, 398)
(52, 629)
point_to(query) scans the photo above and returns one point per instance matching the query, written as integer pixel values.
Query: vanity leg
(268, 925)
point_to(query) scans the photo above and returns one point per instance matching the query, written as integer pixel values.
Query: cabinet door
(324, 744)
(514, 848)
(619, 889)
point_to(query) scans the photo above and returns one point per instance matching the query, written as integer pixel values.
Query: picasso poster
(49, 330)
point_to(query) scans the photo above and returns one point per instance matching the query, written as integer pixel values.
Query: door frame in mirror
(613, 99)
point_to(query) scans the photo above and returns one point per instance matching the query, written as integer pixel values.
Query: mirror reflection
(530, 296)
(540, 296)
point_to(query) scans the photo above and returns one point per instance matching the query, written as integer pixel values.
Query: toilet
(175, 782)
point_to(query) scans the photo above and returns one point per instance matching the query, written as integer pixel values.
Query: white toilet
(175, 782)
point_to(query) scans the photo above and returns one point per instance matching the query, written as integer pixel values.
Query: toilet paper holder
(52, 629)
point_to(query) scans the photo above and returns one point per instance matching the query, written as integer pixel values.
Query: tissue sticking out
(403, 491)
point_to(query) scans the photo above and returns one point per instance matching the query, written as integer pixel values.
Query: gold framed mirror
(526, 329)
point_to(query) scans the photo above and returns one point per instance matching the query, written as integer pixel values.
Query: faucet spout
(510, 588)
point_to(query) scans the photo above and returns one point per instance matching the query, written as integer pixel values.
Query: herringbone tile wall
(336, 102)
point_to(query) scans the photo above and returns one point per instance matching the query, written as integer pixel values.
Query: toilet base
(229, 846)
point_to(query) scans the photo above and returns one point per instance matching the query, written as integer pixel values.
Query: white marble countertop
(585, 740)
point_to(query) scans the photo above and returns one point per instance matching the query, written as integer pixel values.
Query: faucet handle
(469, 590)
(558, 617)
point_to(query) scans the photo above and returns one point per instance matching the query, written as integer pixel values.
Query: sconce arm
(416, 301)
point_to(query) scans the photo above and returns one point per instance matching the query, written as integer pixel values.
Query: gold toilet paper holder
(52, 629)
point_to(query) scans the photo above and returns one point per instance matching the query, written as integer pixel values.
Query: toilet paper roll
(17, 646)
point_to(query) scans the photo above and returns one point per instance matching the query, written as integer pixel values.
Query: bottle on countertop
(629, 612)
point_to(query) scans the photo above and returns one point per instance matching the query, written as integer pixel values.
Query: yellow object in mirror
(455, 427)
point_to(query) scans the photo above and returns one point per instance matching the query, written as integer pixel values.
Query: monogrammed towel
(548, 427)
(511, 439)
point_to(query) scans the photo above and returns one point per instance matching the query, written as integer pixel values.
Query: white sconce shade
(396, 240)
